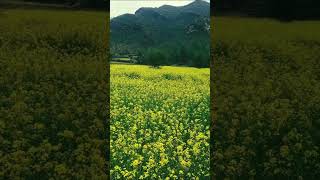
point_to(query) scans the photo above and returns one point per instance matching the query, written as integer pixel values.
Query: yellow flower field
(159, 122)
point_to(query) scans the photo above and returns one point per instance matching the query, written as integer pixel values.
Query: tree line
(195, 54)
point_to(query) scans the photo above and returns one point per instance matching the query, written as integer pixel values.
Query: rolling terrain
(153, 27)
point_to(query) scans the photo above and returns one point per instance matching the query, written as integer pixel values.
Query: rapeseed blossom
(159, 123)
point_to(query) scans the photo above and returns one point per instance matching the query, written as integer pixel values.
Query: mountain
(150, 27)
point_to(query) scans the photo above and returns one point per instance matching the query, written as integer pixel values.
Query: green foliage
(266, 105)
(194, 53)
(181, 34)
(155, 57)
(53, 93)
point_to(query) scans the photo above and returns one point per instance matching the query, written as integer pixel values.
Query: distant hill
(151, 27)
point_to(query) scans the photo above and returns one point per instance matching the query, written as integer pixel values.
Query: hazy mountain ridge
(153, 26)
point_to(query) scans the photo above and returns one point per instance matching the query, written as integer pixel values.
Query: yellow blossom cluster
(159, 122)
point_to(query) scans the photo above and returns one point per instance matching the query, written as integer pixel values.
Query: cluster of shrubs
(265, 110)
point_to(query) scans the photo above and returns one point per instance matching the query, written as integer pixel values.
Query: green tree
(155, 57)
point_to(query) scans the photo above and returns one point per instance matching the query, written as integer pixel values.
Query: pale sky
(118, 7)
